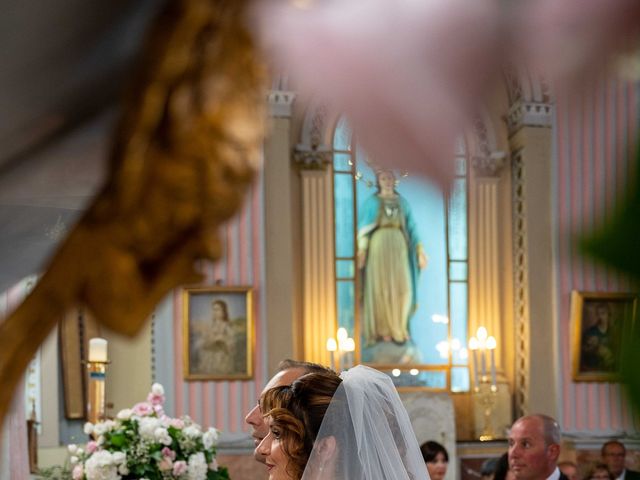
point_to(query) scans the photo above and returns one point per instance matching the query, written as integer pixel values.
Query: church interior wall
(591, 162)
(570, 199)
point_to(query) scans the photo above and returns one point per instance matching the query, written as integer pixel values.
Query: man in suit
(288, 372)
(613, 455)
(534, 448)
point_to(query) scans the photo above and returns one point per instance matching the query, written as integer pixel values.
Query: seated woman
(327, 427)
(437, 459)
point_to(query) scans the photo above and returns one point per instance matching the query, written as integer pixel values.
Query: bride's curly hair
(297, 411)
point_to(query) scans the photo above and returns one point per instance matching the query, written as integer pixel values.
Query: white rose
(73, 448)
(147, 427)
(162, 436)
(157, 389)
(192, 431)
(73, 460)
(100, 466)
(119, 457)
(100, 429)
(88, 428)
(124, 414)
(210, 438)
(197, 467)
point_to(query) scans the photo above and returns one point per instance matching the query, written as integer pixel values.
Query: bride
(351, 427)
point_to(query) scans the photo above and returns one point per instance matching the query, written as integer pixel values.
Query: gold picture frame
(218, 333)
(600, 320)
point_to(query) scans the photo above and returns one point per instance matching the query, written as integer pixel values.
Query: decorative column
(489, 291)
(278, 226)
(319, 309)
(485, 282)
(530, 140)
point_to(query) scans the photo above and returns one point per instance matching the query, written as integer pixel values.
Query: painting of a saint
(217, 334)
(601, 319)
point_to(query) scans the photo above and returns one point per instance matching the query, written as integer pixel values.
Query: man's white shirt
(555, 475)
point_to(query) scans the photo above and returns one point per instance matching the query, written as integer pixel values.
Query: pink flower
(143, 409)
(92, 446)
(158, 409)
(165, 464)
(155, 399)
(78, 472)
(177, 423)
(179, 468)
(167, 452)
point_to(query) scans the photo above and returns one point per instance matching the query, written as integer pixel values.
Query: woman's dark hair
(223, 305)
(502, 467)
(297, 411)
(431, 449)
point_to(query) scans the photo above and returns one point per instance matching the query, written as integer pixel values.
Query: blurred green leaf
(617, 245)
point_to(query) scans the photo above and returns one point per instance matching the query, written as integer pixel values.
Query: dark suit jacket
(564, 477)
(631, 475)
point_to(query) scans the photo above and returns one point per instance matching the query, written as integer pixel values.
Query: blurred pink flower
(165, 464)
(155, 399)
(92, 446)
(167, 452)
(179, 468)
(177, 423)
(408, 74)
(143, 409)
(78, 472)
(570, 38)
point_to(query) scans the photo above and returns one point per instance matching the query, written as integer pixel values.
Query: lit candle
(332, 346)
(349, 348)
(473, 346)
(482, 338)
(491, 345)
(98, 350)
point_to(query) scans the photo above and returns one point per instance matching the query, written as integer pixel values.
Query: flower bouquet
(143, 443)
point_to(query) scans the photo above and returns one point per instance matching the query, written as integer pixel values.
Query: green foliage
(617, 245)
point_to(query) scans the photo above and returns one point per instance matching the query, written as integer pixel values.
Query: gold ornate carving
(185, 150)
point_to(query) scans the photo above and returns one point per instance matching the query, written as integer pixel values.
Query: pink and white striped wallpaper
(224, 404)
(594, 140)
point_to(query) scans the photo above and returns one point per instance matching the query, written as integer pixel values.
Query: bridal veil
(366, 433)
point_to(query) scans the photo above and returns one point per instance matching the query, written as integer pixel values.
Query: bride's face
(276, 459)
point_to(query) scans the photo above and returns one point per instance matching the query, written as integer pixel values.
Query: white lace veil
(366, 433)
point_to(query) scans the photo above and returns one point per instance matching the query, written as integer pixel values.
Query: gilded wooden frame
(599, 322)
(217, 335)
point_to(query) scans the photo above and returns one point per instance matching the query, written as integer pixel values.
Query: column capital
(529, 114)
(490, 166)
(312, 157)
(281, 103)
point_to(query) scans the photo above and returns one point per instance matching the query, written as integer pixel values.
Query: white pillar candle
(493, 367)
(332, 347)
(473, 346)
(491, 345)
(98, 350)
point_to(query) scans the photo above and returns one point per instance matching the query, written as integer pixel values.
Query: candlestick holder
(96, 404)
(486, 396)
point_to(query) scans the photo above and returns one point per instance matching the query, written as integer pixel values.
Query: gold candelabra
(97, 369)
(486, 395)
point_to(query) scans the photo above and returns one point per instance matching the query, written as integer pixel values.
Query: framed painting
(600, 320)
(217, 333)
